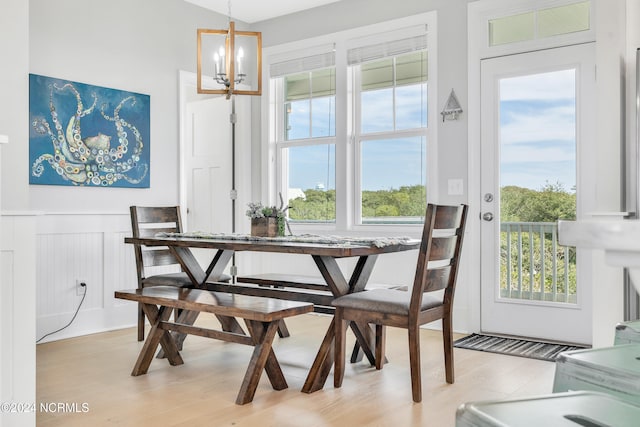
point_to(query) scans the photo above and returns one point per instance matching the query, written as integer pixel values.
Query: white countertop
(620, 240)
(601, 234)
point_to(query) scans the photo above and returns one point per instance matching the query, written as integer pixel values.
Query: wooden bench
(300, 288)
(261, 316)
(279, 280)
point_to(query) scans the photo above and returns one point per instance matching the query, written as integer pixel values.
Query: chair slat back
(157, 215)
(437, 278)
(448, 217)
(146, 231)
(157, 257)
(440, 250)
(443, 248)
(147, 222)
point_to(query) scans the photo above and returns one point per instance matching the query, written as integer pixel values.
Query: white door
(536, 139)
(208, 165)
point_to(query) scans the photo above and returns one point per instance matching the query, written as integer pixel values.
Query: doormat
(514, 347)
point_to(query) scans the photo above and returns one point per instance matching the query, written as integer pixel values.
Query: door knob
(487, 216)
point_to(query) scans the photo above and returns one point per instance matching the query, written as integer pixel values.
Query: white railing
(539, 268)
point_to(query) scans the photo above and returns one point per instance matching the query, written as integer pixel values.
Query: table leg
(198, 277)
(217, 266)
(283, 331)
(156, 336)
(363, 333)
(263, 357)
(332, 274)
(358, 354)
(322, 364)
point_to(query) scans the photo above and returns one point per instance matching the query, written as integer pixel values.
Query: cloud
(555, 85)
(554, 122)
(526, 153)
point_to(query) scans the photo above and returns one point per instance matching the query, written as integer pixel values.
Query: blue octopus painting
(109, 149)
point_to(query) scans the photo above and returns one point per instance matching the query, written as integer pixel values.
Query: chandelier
(229, 61)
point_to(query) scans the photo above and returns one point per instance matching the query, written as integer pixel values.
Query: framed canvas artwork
(86, 135)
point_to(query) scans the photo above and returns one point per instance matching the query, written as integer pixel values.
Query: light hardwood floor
(95, 370)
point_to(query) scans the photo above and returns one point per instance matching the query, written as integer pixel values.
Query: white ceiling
(251, 11)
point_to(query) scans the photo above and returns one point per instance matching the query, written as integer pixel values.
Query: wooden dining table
(325, 252)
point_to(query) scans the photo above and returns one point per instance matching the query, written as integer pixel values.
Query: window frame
(359, 137)
(486, 13)
(281, 142)
(347, 151)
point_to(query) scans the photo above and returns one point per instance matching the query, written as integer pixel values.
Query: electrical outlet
(80, 290)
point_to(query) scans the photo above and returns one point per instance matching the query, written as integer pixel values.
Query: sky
(537, 136)
(538, 130)
(387, 163)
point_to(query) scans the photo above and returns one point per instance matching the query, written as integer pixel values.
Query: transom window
(540, 23)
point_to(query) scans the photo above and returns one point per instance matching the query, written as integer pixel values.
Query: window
(349, 125)
(309, 115)
(310, 102)
(391, 106)
(541, 23)
(306, 142)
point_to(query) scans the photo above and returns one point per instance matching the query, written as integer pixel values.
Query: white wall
(14, 107)
(632, 43)
(135, 46)
(17, 247)
(452, 61)
(608, 290)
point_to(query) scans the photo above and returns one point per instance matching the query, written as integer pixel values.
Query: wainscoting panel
(62, 260)
(120, 267)
(17, 315)
(7, 322)
(90, 248)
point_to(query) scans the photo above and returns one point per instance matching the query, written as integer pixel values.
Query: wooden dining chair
(436, 270)
(147, 222)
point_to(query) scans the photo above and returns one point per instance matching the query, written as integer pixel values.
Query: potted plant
(266, 221)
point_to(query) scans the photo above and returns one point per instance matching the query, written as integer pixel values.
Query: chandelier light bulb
(216, 61)
(240, 56)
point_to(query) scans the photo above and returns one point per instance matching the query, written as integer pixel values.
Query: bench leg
(263, 357)
(283, 331)
(156, 336)
(381, 342)
(140, 322)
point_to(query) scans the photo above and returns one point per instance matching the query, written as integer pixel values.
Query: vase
(264, 227)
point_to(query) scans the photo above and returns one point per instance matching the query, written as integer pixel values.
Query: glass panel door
(533, 137)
